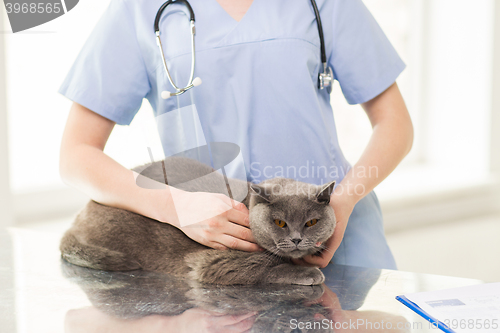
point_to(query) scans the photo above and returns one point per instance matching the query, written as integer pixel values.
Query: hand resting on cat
(288, 218)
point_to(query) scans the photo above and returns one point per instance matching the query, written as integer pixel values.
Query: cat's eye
(311, 223)
(280, 223)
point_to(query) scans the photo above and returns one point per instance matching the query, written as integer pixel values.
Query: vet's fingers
(240, 206)
(312, 259)
(299, 262)
(303, 262)
(316, 261)
(217, 246)
(237, 244)
(237, 216)
(238, 231)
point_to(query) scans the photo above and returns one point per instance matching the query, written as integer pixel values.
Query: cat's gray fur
(114, 239)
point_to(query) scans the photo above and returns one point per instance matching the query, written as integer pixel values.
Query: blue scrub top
(259, 77)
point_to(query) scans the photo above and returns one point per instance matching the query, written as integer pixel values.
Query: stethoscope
(325, 78)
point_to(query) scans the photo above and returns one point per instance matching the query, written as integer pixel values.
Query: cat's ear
(262, 191)
(325, 192)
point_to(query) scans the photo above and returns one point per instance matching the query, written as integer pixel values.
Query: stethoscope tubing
(324, 80)
(162, 8)
(320, 31)
(192, 29)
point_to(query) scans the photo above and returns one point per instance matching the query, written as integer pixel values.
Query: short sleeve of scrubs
(363, 60)
(109, 76)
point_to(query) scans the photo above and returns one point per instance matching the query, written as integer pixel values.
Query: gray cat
(289, 219)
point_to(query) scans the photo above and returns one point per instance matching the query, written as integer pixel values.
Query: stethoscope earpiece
(165, 94)
(196, 82)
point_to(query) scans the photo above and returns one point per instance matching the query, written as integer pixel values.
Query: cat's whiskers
(274, 253)
(270, 260)
(274, 250)
(325, 249)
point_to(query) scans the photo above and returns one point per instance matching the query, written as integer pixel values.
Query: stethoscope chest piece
(325, 79)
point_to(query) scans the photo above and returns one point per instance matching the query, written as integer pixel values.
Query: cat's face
(290, 218)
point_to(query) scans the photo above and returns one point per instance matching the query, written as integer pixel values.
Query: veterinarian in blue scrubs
(259, 91)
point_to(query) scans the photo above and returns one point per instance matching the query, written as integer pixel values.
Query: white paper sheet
(467, 309)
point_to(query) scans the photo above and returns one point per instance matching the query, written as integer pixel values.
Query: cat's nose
(296, 241)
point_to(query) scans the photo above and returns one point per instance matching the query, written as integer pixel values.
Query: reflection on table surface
(41, 293)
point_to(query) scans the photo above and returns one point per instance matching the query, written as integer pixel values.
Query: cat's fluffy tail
(92, 256)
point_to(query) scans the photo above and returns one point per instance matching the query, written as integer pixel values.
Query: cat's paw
(308, 276)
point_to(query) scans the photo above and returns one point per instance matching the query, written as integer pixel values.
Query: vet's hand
(220, 223)
(343, 205)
